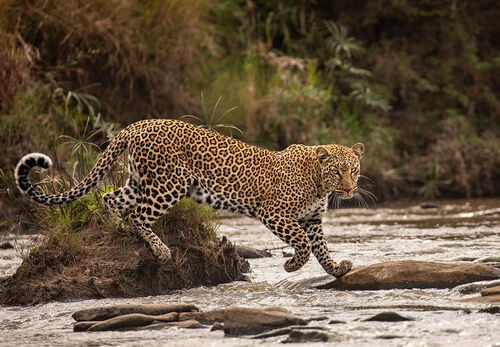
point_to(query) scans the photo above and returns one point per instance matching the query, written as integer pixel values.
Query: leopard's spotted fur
(168, 159)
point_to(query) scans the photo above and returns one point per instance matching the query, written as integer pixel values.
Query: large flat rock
(408, 274)
(244, 321)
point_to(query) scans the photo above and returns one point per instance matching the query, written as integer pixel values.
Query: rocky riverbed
(463, 233)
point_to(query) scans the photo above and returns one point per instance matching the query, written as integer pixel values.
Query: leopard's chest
(313, 210)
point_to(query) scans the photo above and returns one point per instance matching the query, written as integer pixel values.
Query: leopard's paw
(291, 265)
(163, 254)
(341, 269)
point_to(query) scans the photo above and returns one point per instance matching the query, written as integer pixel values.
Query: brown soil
(97, 263)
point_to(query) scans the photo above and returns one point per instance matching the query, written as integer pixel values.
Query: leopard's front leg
(290, 231)
(314, 231)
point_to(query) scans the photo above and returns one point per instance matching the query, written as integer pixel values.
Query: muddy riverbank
(454, 231)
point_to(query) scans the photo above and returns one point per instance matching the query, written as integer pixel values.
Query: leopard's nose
(350, 192)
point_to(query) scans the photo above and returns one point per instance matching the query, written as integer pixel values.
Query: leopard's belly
(222, 200)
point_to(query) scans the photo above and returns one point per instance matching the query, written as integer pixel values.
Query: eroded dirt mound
(96, 262)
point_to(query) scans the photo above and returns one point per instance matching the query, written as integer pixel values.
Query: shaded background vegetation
(417, 81)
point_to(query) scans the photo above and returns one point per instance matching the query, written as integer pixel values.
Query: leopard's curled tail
(103, 165)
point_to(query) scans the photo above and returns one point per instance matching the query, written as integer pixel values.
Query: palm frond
(340, 43)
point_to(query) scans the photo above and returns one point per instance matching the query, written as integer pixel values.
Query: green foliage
(296, 108)
(342, 45)
(187, 208)
(213, 121)
(84, 153)
(385, 73)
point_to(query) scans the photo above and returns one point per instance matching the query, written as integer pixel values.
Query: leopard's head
(340, 167)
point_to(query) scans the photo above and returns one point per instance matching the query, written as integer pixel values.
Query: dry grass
(15, 63)
(134, 55)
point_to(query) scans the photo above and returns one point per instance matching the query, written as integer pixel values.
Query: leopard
(288, 190)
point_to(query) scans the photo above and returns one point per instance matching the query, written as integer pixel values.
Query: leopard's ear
(358, 149)
(322, 154)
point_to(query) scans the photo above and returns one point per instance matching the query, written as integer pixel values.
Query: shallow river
(457, 231)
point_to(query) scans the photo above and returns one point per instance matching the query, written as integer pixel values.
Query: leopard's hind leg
(124, 199)
(156, 201)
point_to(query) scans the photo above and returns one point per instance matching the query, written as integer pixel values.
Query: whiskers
(334, 200)
(363, 198)
(362, 195)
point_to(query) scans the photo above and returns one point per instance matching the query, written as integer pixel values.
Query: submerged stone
(387, 317)
(475, 287)
(306, 336)
(251, 253)
(6, 245)
(431, 205)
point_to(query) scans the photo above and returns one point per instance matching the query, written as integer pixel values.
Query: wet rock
(106, 312)
(431, 205)
(484, 299)
(492, 213)
(6, 245)
(251, 253)
(412, 274)
(491, 291)
(126, 321)
(187, 324)
(492, 310)
(389, 337)
(272, 333)
(306, 336)
(287, 330)
(131, 321)
(220, 315)
(387, 317)
(475, 287)
(244, 321)
(335, 321)
(464, 259)
(484, 260)
(83, 326)
(318, 318)
(217, 326)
